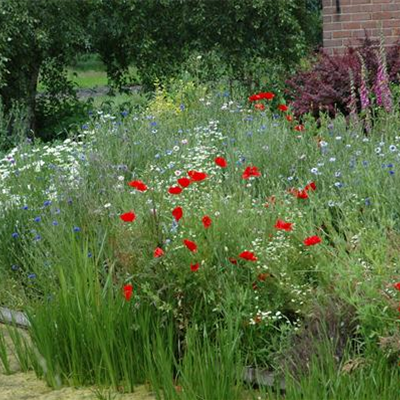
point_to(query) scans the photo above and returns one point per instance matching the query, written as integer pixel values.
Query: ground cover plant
(206, 234)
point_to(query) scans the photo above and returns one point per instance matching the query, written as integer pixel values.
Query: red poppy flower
(192, 246)
(138, 185)
(263, 277)
(299, 128)
(254, 286)
(233, 260)
(184, 182)
(262, 96)
(283, 107)
(158, 252)
(289, 118)
(397, 286)
(311, 186)
(267, 95)
(129, 216)
(194, 267)
(259, 106)
(248, 256)
(206, 221)
(177, 213)
(301, 194)
(197, 176)
(128, 291)
(221, 162)
(312, 240)
(282, 225)
(251, 171)
(175, 190)
(255, 97)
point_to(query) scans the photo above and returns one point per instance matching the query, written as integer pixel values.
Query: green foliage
(158, 36)
(39, 38)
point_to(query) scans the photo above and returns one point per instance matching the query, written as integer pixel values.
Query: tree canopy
(40, 38)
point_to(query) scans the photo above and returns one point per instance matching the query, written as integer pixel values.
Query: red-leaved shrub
(327, 86)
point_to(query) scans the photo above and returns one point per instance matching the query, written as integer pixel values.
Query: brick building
(346, 21)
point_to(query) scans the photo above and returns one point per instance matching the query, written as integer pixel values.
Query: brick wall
(357, 17)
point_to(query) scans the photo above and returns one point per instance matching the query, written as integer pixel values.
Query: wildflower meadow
(179, 246)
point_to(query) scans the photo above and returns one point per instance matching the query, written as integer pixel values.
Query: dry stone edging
(8, 316)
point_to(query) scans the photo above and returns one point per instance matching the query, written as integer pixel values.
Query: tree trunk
(31, 98)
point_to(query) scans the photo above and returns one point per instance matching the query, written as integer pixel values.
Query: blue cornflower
(77, 229)
(89, 254)
(85, 127)
(55, 223)
(25, 207)
(391, 172)
(32, 276)
(124, 113)
(174, 226)
(15, 235)
(47, 203)
(15, 267)
(37, 238)
(153, 123)
(182, 107)
(37, 219)
(390, 165)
